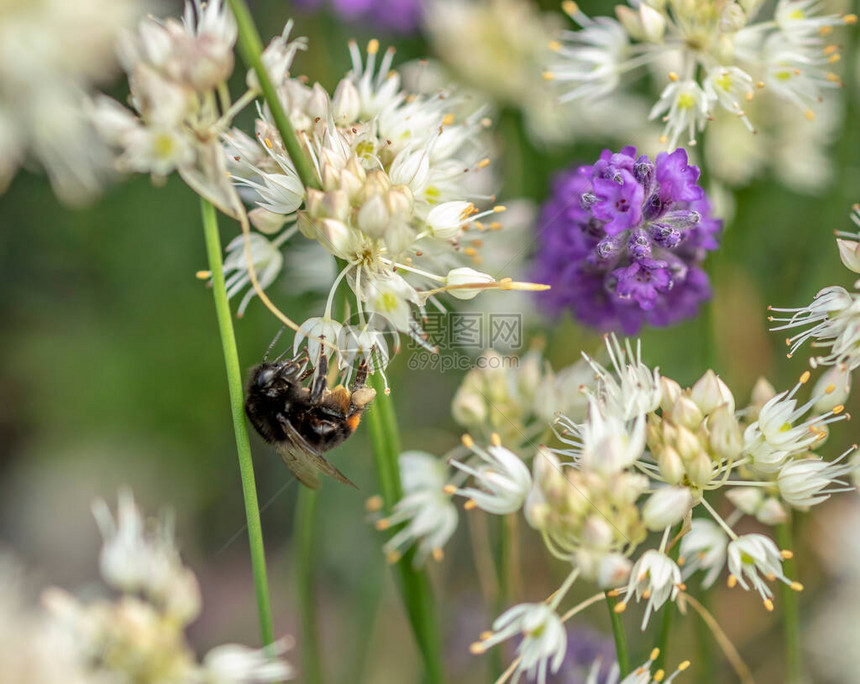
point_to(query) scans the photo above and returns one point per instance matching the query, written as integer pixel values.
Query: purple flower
(394, 16)
(622, 242)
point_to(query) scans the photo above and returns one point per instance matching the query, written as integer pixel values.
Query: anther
(392, 557)
(467, 440)
(372, 46)
(203, 275)
(804, 378)
(655, 653)
(495, 439)
(374, 503)
(476, 648)
(768, 605)
(470, 505)
(383, 524)
(683, 666)
(659, 675)
(796, 586)
(620, 607)
(483, 636)
(449, 489)
(732, 582)
(438, 555)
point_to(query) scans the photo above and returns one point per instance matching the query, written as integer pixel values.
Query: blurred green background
(112, 374)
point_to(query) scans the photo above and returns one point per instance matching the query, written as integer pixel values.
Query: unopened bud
(671, 466)
(746, 499)
(771, 512)
(833, 388)
(725, 434)
(346, 105)
(665, 507)
(669, 393)
(687, 413)
(466, 276)
(700, 470)
(710, 393)
(266, 221)
(613, 570)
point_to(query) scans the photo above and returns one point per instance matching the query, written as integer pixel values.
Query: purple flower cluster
(622, 241)
(394, 16)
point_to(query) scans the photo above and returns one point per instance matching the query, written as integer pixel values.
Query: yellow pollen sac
(613, 593)
(499, 208)
(476, 648)
(655, 653)
(809, 114)
(683, 666)
(833, 78)
(373, 46)
(673, 76)
(548, 76)
(470, 505)
(732, 582)
(834, 58)
(448, 119)
(267, 142)
(804, 378)
(620, 607)
(383, 524)
(392, 557)
(838, 409)
(768, 605)
(449, 489)
(203, 275)
(438, 555)
(830, 49)
(495, 440)
(467, 440)
(659, 675)
(554, 45)
(483, 163)
(825, 30)
(483, 636)
(681, 561)
(569, 8)
(770, 577)
(646, 594)
(374, 503)
(850, 18)
(796, 586)
(830, 389)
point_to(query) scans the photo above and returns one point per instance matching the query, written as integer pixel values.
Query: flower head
(753, 555)
(805, 482)
(622, 241)
(503, 480)
(656, 578)
(426, 508)
(544, 639)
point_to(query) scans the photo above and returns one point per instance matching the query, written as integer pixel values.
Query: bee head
(272, 379)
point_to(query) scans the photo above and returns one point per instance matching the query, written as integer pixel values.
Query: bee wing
(305, 462)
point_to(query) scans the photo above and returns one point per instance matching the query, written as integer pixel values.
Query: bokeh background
(112, 374)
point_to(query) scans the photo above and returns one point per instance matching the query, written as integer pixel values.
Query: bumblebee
(305, 422)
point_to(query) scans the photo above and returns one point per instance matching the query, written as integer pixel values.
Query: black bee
(305, 422)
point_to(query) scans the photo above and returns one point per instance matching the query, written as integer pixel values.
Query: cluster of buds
(587, 517)
(518, 397)
(696, 437)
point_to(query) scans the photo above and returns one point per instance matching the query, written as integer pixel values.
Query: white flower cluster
(140, 636)
(644, 454)
(393, 171)
(52, 54)
(714, 54)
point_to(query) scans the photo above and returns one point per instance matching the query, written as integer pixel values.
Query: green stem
(620, 637)
(243, 446)
(414, 583)
(306, 535)
(251, 49)
(790, 611)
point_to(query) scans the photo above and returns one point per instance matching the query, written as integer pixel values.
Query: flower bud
(317, 106)
(613, 571)
(446, 220)
(745, 499)
(412, 169)
(665, 507)
(266, 221)
(732, 18)
(373, 217)
(833, 388)
(346, 105)
(400, 201)
(725, 434)
(700, 470)
(771, 512)
(687, 444)
(669, 393)
(335, 236)
(762, 393)
(710, 392)
(469, 408)
(597, 532)
(671, 466)
(686, 413)
(466, 276)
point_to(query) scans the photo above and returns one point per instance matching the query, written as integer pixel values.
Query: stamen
(373, 504)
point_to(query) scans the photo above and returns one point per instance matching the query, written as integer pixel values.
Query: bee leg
(321, 381)
(360, 376)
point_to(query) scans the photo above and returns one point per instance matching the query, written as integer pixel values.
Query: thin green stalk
(306, 535)
(619, 636)
(414, 583)
(251, 49)
(243, 446)
(790, 611)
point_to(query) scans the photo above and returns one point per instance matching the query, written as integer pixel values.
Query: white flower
(703, 548)
(636, 391)
(321, 328)
(236, 664)
(641, 675)
(655, 577)
(266, 257)
(667, 506)
(544, 639)
(457, 278)
(426, 508)
(751, 555)
(804, 482)
(683, 106)
(52, 55)
(777, 434)
(391, 297)
(135, 558)
(503, 480)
